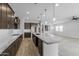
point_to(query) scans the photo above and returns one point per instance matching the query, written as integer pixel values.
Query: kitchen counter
(48, 38)
(9, 41)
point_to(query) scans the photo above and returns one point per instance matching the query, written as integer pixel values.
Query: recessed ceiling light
(28, 12)
(54, 19)
(56, 4)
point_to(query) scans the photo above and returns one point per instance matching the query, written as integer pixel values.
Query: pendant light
(28, 15)
(54, 19)
(45, 17)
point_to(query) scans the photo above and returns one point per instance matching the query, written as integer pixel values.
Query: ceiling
(35, 9)
(63, 12)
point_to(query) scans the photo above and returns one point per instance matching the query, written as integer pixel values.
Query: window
(59, 28)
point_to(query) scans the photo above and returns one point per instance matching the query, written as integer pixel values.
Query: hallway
(27, 48)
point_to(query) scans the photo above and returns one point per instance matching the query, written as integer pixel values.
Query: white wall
(70, 29)
(65, 12)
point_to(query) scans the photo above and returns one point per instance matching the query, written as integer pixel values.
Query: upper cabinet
(0, 16)
(10, 18)
(6, 16)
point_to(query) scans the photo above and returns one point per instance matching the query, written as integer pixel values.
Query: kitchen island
(47, 43)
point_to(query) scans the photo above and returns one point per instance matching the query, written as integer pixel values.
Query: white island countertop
(48, 38)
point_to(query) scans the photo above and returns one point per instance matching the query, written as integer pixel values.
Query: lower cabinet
(39, 44)
(35, 40)
(27, 35)
(13, 48)
(40, 47)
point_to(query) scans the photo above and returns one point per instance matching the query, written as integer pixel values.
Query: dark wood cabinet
(34, 39)
(10, 19)
(6, 14)
(13, 48)
(27, 35)
(0, 16)
(40, 47)
(27, 25)
(39, 44)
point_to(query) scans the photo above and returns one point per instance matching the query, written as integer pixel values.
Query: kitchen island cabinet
(39, 44)
(47, 44)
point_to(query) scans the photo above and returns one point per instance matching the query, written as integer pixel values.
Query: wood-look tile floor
(27, 48)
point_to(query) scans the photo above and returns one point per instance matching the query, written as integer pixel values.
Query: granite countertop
(9, 41)
(48, 38)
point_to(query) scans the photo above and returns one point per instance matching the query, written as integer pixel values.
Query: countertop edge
(45, 41)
